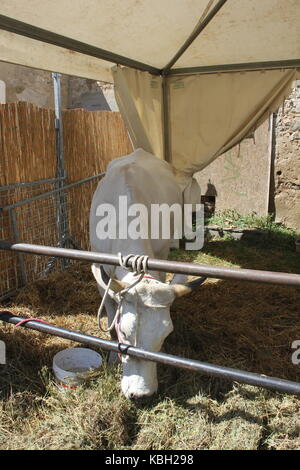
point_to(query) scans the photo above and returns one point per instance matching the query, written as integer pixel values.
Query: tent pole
(43, 35)
(165, 110)
(244, 67)
(199, 28)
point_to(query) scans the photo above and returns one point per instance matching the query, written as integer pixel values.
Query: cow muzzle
(139, 380)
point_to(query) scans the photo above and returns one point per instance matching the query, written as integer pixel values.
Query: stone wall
(27, 84)
(239, 179)
(262, 174)
(285, 184)
(36, 86)
(91, 95)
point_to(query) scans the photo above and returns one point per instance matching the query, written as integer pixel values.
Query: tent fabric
(143, 30)
(208, 114)
(139, 98)
(247, 31)
(24, 51)
(153, 31)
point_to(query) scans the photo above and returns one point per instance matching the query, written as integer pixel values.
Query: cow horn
(182, 279)
(181, 289)
(196, 282)
(117, 285)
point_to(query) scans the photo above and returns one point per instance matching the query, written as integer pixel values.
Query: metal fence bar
(43, 222)
(223, 372)
(49, 193)
(217, 272)
(30, 183)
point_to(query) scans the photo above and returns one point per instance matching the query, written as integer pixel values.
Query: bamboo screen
(27, 153)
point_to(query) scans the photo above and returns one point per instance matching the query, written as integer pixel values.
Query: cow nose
(134, 397)
(139, 399)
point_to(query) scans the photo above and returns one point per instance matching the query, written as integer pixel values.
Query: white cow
(145, 320)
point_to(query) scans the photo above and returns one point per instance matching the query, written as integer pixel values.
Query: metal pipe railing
(217, 272)
(227, 373)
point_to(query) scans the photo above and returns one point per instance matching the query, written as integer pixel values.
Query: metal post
(227, 373)
(166, 133)
(60, 166)
(16, 233)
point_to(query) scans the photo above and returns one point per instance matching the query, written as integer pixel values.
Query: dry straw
(242, 325)
(92, 140)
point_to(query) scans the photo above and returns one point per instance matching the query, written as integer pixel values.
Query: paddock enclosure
(192, 79)
(242, 325)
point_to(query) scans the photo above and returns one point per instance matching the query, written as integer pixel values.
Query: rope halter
(139, 267)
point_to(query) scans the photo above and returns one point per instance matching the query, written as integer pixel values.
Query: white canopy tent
(193, 77)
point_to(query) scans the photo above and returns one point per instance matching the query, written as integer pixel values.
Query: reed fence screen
(35, 205)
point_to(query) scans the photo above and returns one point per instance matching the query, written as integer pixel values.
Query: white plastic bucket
(73, 366)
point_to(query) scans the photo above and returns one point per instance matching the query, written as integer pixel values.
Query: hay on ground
(243, 325)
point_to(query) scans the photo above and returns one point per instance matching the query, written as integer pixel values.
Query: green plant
(275, 233)
(231, 218)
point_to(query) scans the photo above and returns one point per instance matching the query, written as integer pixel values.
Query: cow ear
(97, 274)
(181, 289)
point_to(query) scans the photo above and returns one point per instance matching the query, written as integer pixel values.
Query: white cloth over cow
(145, 320)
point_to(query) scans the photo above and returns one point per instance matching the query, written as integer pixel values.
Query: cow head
(145, 322)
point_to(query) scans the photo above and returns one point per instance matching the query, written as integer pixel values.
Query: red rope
(31, 319)
(25, 320)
